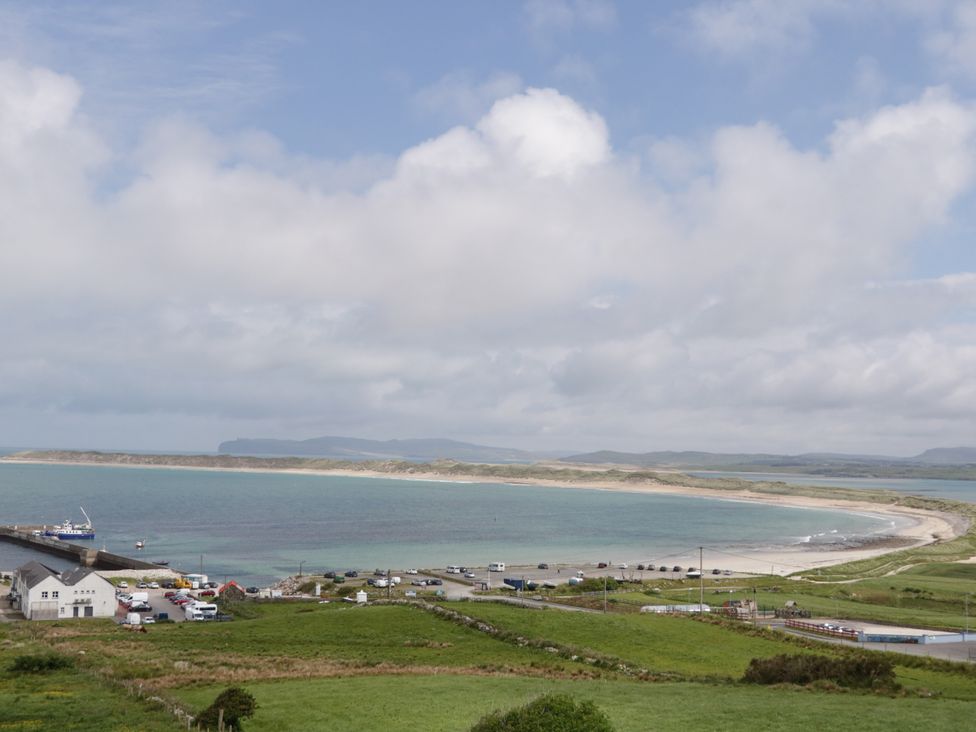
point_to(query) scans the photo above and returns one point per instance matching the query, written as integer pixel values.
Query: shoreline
(914, 526)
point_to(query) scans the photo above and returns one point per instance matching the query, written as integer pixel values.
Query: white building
(43, 594)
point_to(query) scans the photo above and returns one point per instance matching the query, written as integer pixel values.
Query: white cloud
(953, 43)
(512, 276)
(548, 16)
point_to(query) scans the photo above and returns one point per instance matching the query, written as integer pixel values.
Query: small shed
(232, 592)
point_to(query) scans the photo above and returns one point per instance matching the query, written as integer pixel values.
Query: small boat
(140, 544)
(161, 562)
(71, 530)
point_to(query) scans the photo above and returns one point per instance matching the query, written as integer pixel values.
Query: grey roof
(34, 572)
(75, 575)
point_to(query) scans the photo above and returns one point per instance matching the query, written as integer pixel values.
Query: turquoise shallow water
(258, 526)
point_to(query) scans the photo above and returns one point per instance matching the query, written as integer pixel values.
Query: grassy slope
(390, 651)
(452, 703)
(68, 700)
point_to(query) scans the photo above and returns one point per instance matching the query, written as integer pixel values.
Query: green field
(399, 667)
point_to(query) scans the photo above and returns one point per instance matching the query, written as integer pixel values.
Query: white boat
(71, 530)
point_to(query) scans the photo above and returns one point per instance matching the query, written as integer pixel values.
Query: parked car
(419, 583)
(208, 593)
(329, 575)
(153, 585)
(412, 571)
(650, 567)
(663, 568)
(543, 565)
(716, 571)
(469, 575)
(676, 568)
(143, 586)
(435, 581)
(252, 590)
(371, 581)
(379, 572)
(124, 585)
(640, 567)
(338, 579)
(211, 585)
(148, 620)
(168, 585)
(169, 594)
(622, 566)
(352, 573)
(601, 565)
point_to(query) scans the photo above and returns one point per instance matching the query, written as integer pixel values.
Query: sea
(257, 527)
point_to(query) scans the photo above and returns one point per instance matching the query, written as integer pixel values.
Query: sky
(726, 225)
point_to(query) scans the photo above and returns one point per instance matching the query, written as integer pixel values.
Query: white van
(496, 567)
(453, 569)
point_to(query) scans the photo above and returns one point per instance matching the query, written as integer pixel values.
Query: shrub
(237, 704)
(549, 713)
(860, 671)
(40, 664)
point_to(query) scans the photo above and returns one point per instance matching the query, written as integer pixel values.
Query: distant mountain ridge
(355, 448)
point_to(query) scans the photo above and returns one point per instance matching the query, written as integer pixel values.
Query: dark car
(338, 579)
(434, 581)
(379, 573)
(168, 586)
(663, 568)
(352, 573)
(601, 565)
(676, 568)
(640, 567)
(329, 575)
(543, 565)
(716, 571)
(371, 581)
(252, 590)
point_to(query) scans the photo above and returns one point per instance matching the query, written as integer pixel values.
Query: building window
(44, 595)
(55, 593)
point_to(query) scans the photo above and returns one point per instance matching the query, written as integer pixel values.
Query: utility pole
(604, 592)
(389, 585)
(701, 583)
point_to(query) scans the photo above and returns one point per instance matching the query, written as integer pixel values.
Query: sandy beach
(913, 526)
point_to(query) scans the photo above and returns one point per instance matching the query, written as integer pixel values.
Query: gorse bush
(859, 672)
(237, 705)
(549, 713)
(40, 664)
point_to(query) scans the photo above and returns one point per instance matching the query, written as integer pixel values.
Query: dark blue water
(257, 526)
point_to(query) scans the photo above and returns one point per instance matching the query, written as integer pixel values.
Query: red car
(208, 593)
